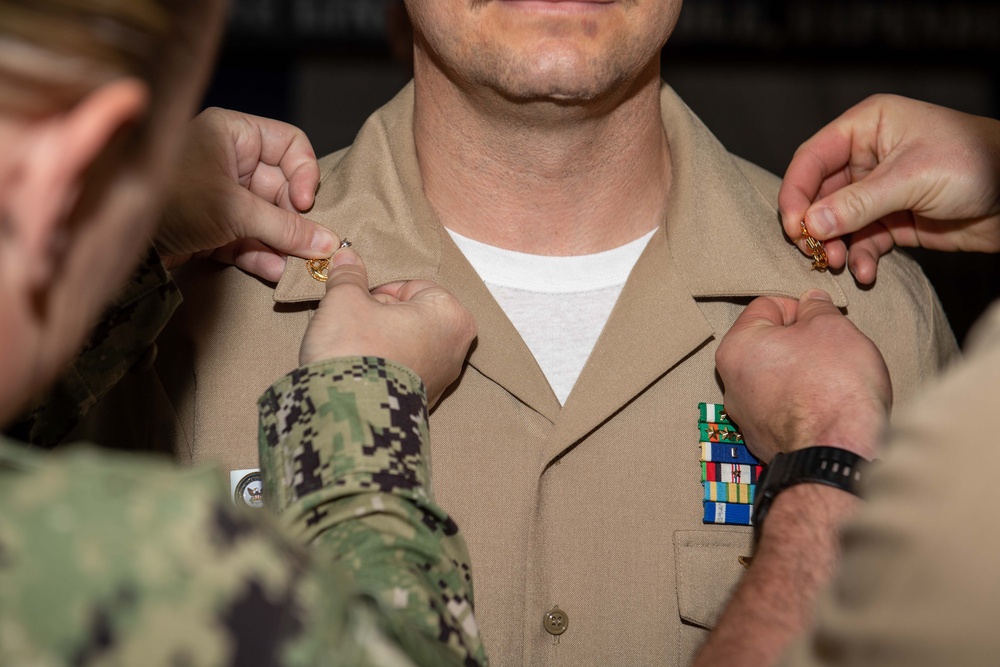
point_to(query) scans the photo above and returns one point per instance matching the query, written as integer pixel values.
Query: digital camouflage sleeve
(122, 337)
(117, 559)
(358, 491)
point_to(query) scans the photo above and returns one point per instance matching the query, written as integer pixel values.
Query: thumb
(347, 269)
(858, 204)
(286, 232)
(815, 303)
(766, 311)
(420, 289)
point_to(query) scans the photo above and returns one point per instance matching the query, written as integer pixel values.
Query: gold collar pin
(816, 248)
(319, 268)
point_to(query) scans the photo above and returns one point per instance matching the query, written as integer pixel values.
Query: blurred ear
(61, 150)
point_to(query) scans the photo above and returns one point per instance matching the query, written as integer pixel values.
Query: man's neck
(540, 177)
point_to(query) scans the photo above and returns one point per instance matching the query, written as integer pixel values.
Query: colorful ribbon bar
(723, 452)
(728, 513)
(720, 492)
(730, 473)
(719, 433)
(713, 413)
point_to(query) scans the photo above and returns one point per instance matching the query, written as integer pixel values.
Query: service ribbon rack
(729, 472)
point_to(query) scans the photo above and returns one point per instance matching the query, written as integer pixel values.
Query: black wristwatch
(832, 466)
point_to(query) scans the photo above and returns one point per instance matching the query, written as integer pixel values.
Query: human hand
(895, 171)
(417, 323)
(799, 374)
(242, 181)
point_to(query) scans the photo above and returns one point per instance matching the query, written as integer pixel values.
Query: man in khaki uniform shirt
(543, 128)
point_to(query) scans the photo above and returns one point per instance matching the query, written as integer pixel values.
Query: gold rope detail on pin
(816, 248)
(317, 268)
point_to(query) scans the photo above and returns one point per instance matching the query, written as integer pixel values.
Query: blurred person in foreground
(123, 560)
(913, 564)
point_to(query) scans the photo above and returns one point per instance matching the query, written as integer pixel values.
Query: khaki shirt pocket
(708, 569)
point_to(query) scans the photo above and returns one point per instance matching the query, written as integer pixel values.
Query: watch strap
(832, 466)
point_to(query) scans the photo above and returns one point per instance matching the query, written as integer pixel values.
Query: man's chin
(579, 87)
(563, 96)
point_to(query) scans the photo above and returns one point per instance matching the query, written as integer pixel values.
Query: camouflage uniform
(121, 339)
(124, 560)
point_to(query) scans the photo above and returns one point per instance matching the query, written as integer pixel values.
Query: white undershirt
(559, 305)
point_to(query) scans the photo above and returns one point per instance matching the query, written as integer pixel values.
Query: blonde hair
(54, 52)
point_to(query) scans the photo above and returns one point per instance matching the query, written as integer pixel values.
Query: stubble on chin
(562, 78)
(563, 62)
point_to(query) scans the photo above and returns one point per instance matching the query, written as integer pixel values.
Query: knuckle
(290, 230)
(212, 117)
(852, 203)
(723, 355)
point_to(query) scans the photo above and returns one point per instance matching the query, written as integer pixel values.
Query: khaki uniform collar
(373, 191)
(375, 186)
(723, 236)
(722, 239)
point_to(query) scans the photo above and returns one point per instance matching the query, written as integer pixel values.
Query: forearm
(343, 449)
(794, 560)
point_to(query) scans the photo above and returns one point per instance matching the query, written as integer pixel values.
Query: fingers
(347, 270)
(836, 253)
(826, 167)
(273, 159)
(287, 147)
(801, 185)
(867, 246)
(408, 290)
(777, 311)
(859, 204)
(389, 290)
(819, 164)
(255, 258)
(741, 343)
(863, 262)
(767, 311)
(286, 232)
(415, 289)
(440, 303)
(272, 184)
(302, 185)
(815, 303)
(869, 142)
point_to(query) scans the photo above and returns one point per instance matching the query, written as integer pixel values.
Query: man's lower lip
(557, 6)
(542, 3)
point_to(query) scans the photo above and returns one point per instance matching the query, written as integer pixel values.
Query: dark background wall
(762, 74)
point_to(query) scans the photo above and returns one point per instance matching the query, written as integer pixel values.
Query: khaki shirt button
(555, 621)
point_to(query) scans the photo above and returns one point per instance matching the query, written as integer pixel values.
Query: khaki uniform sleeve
(344, 455)
(918, 584)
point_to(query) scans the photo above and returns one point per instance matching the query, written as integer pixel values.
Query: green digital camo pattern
(114, 559)
(122, 337)
(121, 560)
(358, 491)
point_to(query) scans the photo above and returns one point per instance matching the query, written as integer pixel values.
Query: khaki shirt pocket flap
(708, 569)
